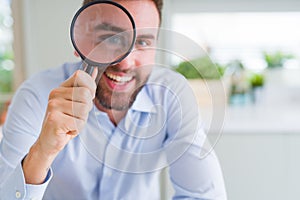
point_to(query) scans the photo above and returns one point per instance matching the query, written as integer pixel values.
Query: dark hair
(158, 4)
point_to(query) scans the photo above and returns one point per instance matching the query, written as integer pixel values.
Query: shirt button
(18, 195)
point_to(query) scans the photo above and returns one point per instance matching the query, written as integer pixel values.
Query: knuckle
(86, 94)
(94, 87)
(52, 104)
(90, 105)
(80, 110)
(53, 94)
(77, 76)
(52, 117)
(75, 93)
(84, 111)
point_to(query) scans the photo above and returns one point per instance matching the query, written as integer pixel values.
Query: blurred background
(252, 48)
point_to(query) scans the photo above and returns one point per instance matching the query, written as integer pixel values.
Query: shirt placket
(110, 176)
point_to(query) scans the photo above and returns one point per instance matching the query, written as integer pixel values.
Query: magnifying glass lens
(108, 47)
(103, 33)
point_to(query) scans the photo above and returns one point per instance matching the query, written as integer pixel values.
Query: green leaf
(201, 67)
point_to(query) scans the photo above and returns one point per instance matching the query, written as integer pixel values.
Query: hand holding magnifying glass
(102, 33)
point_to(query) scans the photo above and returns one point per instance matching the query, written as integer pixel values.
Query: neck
(115, 116)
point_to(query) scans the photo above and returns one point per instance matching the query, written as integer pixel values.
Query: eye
(111, 39)
(143, 43)
(116, 40)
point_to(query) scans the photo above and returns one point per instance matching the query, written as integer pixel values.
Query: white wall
(260, 166)
(256, 166)
(42, 26)
(233, 5)
(43, 33)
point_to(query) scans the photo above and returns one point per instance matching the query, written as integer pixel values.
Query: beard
(116, 100)
(119, 101)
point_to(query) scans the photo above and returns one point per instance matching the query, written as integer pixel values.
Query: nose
(128, 63)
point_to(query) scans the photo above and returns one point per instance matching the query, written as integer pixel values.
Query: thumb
(95, 73)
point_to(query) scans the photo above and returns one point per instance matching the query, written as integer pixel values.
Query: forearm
(36, 165)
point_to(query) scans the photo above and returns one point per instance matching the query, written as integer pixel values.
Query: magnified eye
(111, 40)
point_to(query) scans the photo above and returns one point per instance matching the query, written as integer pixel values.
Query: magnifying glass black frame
(92, 63)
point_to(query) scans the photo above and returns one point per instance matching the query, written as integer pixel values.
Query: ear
(76, 54)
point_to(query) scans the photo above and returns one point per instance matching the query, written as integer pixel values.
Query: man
(68, 138)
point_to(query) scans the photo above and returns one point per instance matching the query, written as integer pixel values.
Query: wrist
(41, 152)
(36, 165)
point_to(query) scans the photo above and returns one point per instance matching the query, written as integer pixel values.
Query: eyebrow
(108, 27)
(146, 36)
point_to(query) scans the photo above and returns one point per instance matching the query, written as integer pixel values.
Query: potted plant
(6, 74)
(206, 80)
(276, 72)
(276, 59)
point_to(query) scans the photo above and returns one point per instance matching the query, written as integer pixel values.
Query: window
(6, 53)
(245, 36)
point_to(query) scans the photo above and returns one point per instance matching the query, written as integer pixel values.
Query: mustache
(118, 69)
(114, 69)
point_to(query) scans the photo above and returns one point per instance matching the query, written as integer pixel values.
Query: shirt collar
(143, 102)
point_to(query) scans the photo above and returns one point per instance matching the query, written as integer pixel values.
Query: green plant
(257, 80)
(6, 73)
(201, 67)
(276, 59)
(6, 52)
(6, 77)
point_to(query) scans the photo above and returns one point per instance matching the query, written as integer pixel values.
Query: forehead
(144, 12)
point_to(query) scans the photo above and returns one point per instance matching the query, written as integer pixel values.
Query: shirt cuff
(15, 187)
(37, 191)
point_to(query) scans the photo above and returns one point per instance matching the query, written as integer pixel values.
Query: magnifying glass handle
(89, 69)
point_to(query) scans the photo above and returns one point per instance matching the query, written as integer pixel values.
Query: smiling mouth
(120, 80)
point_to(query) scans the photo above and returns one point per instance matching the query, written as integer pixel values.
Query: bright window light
(243, 36)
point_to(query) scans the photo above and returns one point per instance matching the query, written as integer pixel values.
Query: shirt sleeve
(197, 177)
(16, 188)
(194, 168)
(20, 131)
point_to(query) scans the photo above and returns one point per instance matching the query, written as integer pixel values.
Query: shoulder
(170, 89)
(38, 86)
(51, 77)
(43, 82)
(165, 80)
(166, 76)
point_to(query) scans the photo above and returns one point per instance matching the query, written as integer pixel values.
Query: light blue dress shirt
(161, 129)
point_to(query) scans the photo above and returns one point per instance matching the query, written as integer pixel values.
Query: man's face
(119, 84)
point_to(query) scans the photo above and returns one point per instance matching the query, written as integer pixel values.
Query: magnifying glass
(102, 33)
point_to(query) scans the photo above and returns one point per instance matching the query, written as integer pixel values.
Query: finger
(77, 110)
(72, 125)
(63, 124)
(80, 79)
(70, 108)
(76, 94)
(95, 73)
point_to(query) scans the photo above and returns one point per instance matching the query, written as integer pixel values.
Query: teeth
(119, 78)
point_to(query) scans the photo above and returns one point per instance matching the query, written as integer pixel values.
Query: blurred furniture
(260, 145)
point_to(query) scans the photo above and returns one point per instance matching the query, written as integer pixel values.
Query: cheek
(143, 73)
(145, 57)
